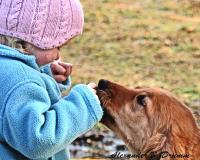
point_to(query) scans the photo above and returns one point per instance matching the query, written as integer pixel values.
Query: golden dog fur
(150, 121)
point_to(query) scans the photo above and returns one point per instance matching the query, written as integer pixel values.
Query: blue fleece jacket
(35, 121)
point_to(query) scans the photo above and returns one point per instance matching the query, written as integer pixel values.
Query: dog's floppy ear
(154, 146)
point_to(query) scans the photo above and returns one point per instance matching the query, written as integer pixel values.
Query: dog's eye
(141, 100)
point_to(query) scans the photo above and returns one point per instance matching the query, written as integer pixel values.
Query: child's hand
(61, 71)
(92, 86)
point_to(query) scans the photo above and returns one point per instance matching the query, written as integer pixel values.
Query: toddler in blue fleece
(35, 121)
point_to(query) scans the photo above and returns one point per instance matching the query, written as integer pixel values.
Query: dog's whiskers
(104, 97)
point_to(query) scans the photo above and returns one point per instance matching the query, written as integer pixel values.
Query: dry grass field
(139, 43)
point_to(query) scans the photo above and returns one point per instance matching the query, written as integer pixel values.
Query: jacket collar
(11, 53)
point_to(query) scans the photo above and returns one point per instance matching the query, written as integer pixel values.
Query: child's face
(46, 56)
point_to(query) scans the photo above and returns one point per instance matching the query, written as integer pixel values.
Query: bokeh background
(153, 43)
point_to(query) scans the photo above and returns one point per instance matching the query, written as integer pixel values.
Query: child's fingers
(61, 71)
(68, 71)
(56, 68)
(92, 85)
(67, 66)
(60, 78)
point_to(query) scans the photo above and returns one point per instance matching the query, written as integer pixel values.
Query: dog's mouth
(104, 98)
(104, 93)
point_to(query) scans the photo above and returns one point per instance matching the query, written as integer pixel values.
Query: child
(35, 121)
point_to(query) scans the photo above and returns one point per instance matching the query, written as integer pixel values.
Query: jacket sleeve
(63, 86)
(38, 129)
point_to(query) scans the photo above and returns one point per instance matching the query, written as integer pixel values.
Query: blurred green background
(152, 43)
(139, 43)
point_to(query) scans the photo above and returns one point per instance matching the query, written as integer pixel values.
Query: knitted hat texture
(44, 23)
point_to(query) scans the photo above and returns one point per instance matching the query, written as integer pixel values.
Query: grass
(139, 43)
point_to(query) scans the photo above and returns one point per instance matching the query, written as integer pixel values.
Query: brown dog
(150, 121)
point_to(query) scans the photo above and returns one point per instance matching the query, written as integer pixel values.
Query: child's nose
(103, 84)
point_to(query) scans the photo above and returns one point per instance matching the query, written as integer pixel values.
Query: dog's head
(143, 117)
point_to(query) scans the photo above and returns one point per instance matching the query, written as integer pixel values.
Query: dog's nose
(103, 84)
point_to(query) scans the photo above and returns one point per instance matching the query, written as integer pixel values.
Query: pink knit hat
(44, 23)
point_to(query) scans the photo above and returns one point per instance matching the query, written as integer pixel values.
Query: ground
(140, 43)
